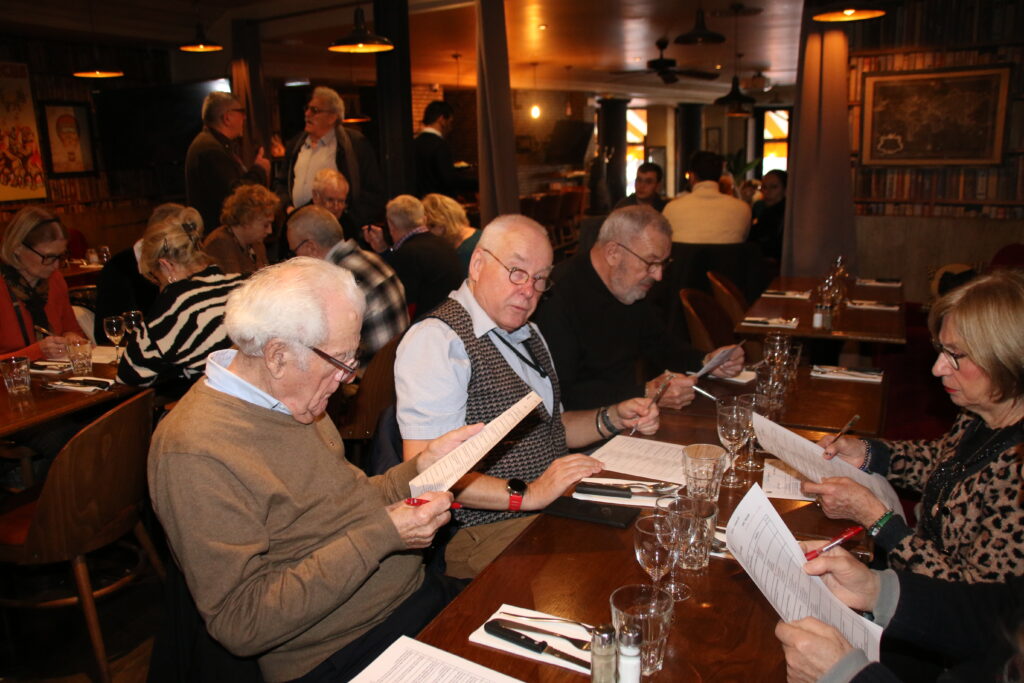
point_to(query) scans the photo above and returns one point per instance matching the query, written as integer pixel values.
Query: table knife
(578, 643)
(615, 490)
(524, 641)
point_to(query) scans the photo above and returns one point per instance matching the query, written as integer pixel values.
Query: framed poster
(713, 140)
(21, 163)
(68, 138)
(946, 117)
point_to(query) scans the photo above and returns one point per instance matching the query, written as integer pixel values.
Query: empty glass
(698, 553)
(704, 464)
(776, 347)
(648, 609)
(654, 540)
(679, 511)
(16, 374)
(80, 355)
(733, 432)
(757, 404)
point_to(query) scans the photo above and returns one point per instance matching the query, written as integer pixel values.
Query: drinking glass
(757, 404)
(132, 321)
(773, 382)
(654, 539)
(649, 609)
(705, 465)
(16, 374)
(733, 432)
(776, 347)
(80, 354)
(679, 511)
(113, 327)
(698, 553)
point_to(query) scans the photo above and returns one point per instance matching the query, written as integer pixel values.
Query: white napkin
(744, 377)
(866, 305)
(872, 282)
(49, 367)
(788, 323)
(635, 501)
(836, 372)
(786, 294)
(482, 637)
(84, 388)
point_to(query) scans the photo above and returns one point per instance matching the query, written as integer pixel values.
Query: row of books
(955, 183)
(941, 22)
(869, 208)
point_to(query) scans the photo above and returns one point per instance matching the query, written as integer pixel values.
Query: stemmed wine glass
(759, 404)
(132, 321)
(679, 511)
(654, 539)
(113, 326)
(733, 431)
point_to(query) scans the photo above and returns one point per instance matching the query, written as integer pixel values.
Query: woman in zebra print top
(186, 322)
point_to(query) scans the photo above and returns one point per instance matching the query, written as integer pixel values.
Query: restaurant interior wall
(914, 219)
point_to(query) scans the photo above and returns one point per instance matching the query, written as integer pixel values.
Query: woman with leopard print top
(971, 518)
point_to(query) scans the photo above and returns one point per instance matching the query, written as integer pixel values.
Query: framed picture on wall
(713, 139)
(944, 117)
(68, 138)
(21, 165)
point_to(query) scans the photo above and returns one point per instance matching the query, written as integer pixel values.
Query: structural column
(611, 136)
(394, 97)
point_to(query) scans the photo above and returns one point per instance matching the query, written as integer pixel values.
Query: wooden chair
(707, 322)
(23, 454)
(90, 499)
(728, 296)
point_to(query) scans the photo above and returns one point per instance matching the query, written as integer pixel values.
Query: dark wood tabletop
(40, 405)
(78, 274)
(569, 568)
(849, 324)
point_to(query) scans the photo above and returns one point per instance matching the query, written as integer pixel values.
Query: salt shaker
(602, 654)
(629, 655)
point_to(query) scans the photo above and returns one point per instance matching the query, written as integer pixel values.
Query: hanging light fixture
(360, 40)
(353, 113)
(735, 102)
(700, 34)
(568, 95)
(853, 10)
(201, 42)
(96, 68)
(535, 109)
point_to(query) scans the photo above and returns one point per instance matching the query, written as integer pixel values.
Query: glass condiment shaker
(602, 654)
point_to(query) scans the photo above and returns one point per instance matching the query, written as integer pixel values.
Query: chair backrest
(376, 392)
(93, 490)
(728, 296)
(528, 205)
(708, 324)
(547, 209)
(1009, 256)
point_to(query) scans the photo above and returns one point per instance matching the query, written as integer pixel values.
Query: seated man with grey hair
(292, 555)
(330, 191)
(474, 357)
(427, 265)
(600, 327)
(313, 231)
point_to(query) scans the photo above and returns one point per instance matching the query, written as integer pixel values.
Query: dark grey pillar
(611, 135)
(394, 97)
(688, 140)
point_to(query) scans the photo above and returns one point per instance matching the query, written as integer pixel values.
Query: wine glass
(654, 539)
(679, 510)
(113, 327)
(759, 404)
(132, 321)
(733, 431)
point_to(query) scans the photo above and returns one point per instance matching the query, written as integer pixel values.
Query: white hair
(495, 231)
(316, 223)
(406, 212)
(287, 301)
(622, 225)
(332, 98)
(327, 178)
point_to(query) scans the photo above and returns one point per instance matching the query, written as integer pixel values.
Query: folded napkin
(744, 377)
(640, 500)
(879, 282)
(82, 383)
(786, 294)
(788, 323)
(852, 374)
(482, 637)
(49, 367)
(867, 305)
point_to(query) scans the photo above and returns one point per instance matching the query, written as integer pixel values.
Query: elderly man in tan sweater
(292, 554)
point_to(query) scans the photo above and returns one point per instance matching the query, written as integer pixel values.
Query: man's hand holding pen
(679, 392)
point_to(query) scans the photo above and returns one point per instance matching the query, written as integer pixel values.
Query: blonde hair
(32, 225)
(988, 314)
(178, 239)
(445, 217)
(246, 203)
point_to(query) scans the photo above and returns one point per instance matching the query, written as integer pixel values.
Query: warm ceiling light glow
(360, 40)
(98, 73)
(542, 27)
(201, 43)
(834, 14)
(535, 112)
(718, 67)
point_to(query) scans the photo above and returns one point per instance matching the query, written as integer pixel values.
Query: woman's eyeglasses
(46, 259)
(953, 357)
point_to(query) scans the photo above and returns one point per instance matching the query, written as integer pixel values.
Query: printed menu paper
(643, 458)
(410, 661)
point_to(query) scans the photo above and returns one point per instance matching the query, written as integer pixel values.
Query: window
(636, 134)
(774, 139)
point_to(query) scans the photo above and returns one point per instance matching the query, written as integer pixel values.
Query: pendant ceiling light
(458, 69)
(95, 68)
(201, 43)
(360, 40)
(735, 102)
(535, 109)
(353, 112)
(855, 10)
(700, 34)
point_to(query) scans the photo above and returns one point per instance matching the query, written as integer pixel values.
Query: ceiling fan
(666, 68)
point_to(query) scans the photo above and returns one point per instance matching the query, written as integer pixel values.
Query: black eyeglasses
(953, 357)
(46, 259)
(652, 266)
(347, 369)
(317, 110)
(330, 201)
(518, 276)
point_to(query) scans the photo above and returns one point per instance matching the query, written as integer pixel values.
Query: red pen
(838, 540)
(423, 501)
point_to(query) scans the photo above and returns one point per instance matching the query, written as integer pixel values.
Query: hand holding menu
(443, 474)
(806, 457)
(758, 538)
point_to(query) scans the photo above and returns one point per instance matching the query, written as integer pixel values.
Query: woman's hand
(848, 578)
(851, 450)
(843, 498)
(635, 412)
(811, 648)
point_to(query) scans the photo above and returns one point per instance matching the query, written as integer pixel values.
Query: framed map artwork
(947, 117)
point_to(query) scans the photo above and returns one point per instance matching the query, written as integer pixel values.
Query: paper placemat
(788, 323)
(482, 637)
(782, 481)
(744, 377)
(848, 374)
(866, 305)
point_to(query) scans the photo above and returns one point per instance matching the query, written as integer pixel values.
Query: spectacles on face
(652, 266)
(317, 110)
(953, 357)
(331, 201)
(346, 369)
(45, 259)
(518, 276)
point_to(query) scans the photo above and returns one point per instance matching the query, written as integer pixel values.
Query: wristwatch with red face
(516, 490)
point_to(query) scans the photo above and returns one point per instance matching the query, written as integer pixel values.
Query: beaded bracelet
(867, 456)
(876, 528)
(608, 424)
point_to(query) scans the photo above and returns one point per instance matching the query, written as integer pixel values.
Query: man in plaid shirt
(313, 231)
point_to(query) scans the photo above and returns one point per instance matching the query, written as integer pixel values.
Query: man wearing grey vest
(470, 360)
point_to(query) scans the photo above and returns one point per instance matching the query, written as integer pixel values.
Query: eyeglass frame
(549, 283)
(45, 259)
(332, 201)
(951, 356)
(651, 265)
(316, 110)
(349, 370)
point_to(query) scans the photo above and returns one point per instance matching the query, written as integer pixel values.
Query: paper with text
(443, 474)
(643, 458)
(768, 552)
(410, 661)
(716, 360)
(782, 481)
(806, 457)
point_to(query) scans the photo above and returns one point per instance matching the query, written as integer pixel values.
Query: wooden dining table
(569, 568)
(80, 274)
(40, 405)
(849, 324)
